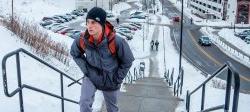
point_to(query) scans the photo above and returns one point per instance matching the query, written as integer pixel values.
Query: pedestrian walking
(117, 20)
(152, 44)
(97, 52)
(156, 45)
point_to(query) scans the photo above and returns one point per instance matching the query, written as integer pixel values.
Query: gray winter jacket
(97, 63)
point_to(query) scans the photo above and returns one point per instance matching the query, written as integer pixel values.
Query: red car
(176, 19)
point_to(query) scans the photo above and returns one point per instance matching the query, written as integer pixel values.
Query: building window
(219, 9)
(214, 8)
(219, 1)
(204, 4)
(209, 6)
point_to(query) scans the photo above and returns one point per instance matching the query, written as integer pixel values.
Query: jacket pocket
(109, 84)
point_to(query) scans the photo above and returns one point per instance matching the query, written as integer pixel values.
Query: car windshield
(205, 38)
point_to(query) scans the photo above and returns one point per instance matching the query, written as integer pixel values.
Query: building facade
(234, 11)
(88, 4)
(210, 9)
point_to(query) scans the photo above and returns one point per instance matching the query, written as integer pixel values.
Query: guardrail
(21, 86)
(231, 72)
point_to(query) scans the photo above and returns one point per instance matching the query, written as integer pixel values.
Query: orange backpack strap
(112, 44)
(82, 44)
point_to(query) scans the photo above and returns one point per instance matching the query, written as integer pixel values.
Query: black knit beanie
(97, 14)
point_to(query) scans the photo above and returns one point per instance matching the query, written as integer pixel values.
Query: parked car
(45, 22)
(110, 15)
(65, 30)
(58, 19)
(139, 13)
(137, 17)
(137, 24)
(57, 28)
(73, 33)
(128, 27)
(125, 30)
(47, 18)
(128, 36)
(204, 41)
(247, 39)
(51, 25)
(243, 34)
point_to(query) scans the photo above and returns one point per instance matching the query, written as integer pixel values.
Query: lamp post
(12, 18)
(181, 35)
(234, 20)
(206, 19)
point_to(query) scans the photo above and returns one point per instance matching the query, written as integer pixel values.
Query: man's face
(94, 28)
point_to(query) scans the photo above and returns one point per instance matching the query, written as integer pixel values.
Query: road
(207, 59)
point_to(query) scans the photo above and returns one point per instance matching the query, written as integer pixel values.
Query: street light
(12, 18)
(234, 20)
(181, 36)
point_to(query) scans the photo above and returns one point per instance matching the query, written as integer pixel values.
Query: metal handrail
(179, 83)
(231, 71)
(22, 86)
(169, 78)
(137, 75)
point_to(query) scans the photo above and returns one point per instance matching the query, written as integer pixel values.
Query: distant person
(191, 21)
(152, 44)
(156, 45)
(104, 58)
(117, 20)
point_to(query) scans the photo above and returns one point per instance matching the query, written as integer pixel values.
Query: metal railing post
(203, 96)
(228, 90)
(178, 85)
(182, 76)
(62, 93)
(19, 82)
(187, 101)
(236, 92)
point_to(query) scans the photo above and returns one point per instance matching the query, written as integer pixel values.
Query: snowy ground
(49, 80)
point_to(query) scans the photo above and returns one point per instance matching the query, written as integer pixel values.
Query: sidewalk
(150, 94)
(147, 95)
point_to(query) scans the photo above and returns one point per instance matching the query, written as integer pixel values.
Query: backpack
(111, 43)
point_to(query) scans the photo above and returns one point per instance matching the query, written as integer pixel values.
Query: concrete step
(147, 95)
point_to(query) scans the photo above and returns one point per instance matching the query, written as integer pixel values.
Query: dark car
(205, 41)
